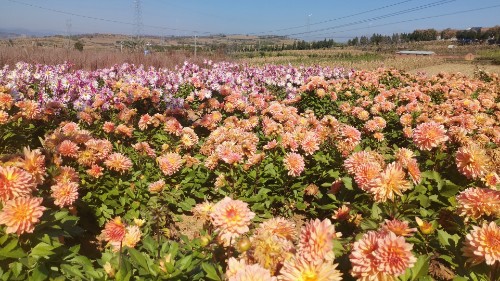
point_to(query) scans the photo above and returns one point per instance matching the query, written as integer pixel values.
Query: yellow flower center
(21, 213)
(309, 276)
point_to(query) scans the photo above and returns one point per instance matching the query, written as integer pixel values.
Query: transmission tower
(138, 18)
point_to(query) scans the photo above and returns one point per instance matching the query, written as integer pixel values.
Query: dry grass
(467, 69)
(346, 58)
(95, 59)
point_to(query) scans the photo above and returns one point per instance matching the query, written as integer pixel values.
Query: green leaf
(347, 183)
(72, 271)
(42, 250)
(139, 258)
(39, 273)
(210, 271)
(11, 250)
(444, 238)
(421, 267)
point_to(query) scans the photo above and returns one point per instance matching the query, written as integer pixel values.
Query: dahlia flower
(170, 163)
(300, 269)
(21, 214)
(252, 272)
(398, 227)
(68, 148)
(64, 193)
(294, 163)
(316, 241)
(269, 250)
(477, 202)
(34, 163)
(429, 135)
(114, 230)
(390, 182)
(472, 161)
(118, 162)
(380, 256)
(278, 226)
(156, 186)
(15, 182)
(231, 219)
(482, 244)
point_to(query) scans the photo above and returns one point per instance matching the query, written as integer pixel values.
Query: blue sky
(309, 20)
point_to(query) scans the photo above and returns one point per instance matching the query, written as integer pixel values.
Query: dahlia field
(222, 171)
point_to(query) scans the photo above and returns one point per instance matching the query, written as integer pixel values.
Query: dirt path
(467, 69)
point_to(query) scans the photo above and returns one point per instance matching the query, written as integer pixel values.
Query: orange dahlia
(231, 219)
(483, 244)
(472, 161)
(21, 214)
(170, 163)
(118, 162)
(398, 227)
(294, 163)
(114, 230)
(66, 174)
(300, 269)
(429, 135)
(15, 182)
(278, 226)
(34, 163)
(316, 241)
(477, 202)
(390, 182)
(64, 194)
(156, 186)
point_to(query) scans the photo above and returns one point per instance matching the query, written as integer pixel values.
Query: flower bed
(225, 171)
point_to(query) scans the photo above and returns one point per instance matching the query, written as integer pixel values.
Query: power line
(334, 19)
(422, 7)
(410, 20)
(106, 20)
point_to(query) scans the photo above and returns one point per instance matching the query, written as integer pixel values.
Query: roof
(415, 53)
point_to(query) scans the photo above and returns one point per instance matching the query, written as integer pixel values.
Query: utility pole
(195, 44)
(68, 31)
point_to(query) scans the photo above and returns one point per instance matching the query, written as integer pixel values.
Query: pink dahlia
(477, 202)
(394, 255)
(294, 163)
(316, 241)
(429, 135)
(64, 193)
(483, 244)
(170, 163)
(231, 218)
(118, 162)
(252, 272)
